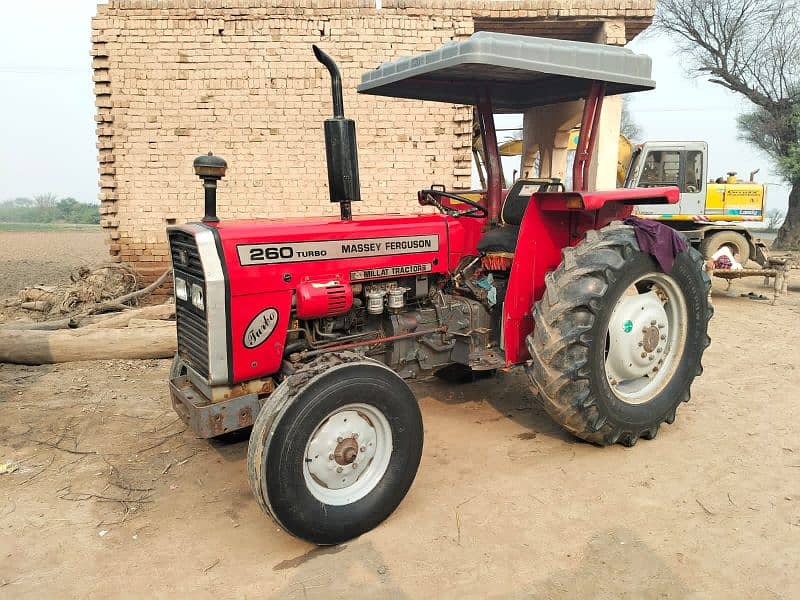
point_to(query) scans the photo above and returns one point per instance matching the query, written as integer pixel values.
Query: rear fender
(558, 201)
(552, 221)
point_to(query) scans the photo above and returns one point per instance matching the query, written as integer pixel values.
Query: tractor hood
(282, 251)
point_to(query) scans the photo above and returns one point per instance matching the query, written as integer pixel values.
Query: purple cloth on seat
(655, 238)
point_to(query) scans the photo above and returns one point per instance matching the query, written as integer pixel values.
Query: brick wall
(176, 78)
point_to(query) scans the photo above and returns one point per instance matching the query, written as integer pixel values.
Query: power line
(683, 109)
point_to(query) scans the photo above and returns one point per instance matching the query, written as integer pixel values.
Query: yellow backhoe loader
(711, 210)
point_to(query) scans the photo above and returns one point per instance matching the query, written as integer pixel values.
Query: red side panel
(542, 234)
(265, 357)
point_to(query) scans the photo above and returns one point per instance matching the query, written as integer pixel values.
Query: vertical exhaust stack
(341, 150)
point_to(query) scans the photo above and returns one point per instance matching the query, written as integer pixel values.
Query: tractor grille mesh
(191, 322)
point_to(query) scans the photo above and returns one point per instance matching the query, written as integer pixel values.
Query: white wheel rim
(347, 454)
(646, 337)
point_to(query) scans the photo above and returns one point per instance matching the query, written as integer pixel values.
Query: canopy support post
(588, 135)
(490, 151)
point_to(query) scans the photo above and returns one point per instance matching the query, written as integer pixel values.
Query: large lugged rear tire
(616, 341)
(335, 449)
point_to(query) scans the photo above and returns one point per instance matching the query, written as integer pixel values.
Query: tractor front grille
(192, 324)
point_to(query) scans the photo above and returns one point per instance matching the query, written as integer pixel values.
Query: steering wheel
(431, 198)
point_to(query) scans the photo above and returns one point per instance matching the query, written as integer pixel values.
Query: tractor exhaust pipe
(341, 150)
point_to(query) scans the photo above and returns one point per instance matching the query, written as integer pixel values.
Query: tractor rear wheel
(335, 448)
(616, 341)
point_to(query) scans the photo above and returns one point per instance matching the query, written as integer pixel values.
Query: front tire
(336, 448)
(617, 342)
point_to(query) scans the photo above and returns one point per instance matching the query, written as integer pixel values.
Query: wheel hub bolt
(655, 369)
(653, 322)
(663, 337)
(658, 349)
(644, 354)
(355, 436)
(652, 357)
(338, 469)
(355, 466)
(330, 457)
(363, 448)
(340, 439)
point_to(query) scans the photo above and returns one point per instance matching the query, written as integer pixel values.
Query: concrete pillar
(545, 131)
(603, 168)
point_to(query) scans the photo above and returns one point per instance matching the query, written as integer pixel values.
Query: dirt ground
(114, 498)
(46, 257)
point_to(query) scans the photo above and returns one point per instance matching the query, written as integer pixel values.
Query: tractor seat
(503, 238)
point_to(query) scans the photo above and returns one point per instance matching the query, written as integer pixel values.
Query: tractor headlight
(197, 297)
(181, 289)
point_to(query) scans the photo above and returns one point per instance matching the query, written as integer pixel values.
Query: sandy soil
(46, 257)
(114, 498)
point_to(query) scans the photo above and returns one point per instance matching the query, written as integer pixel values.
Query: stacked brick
(177, 78)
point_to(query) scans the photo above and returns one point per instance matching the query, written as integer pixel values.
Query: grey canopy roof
(518, 71)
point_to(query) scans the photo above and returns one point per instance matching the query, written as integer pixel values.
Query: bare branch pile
(102, 320)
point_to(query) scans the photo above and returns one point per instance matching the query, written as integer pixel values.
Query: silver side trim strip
(216, 316)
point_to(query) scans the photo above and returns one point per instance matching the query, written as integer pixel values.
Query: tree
(45, 209)
(752, 48)
(44, 201)
(629, 126)
(774, 219)
(45, 205)
(21, 203)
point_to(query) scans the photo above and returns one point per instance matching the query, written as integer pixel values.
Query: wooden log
(67, 323)
(104, 321)
(123, 319)
(37, 305)
(34, 294)
(139, 323)
(67, 345)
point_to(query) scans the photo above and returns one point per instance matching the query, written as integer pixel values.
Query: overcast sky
(47, 140)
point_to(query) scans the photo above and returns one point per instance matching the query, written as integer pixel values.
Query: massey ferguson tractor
(307, 329)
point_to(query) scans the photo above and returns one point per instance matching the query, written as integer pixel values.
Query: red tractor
(307, 328)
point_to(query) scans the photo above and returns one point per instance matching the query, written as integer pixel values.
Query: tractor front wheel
(335, 448)
(617, 342)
